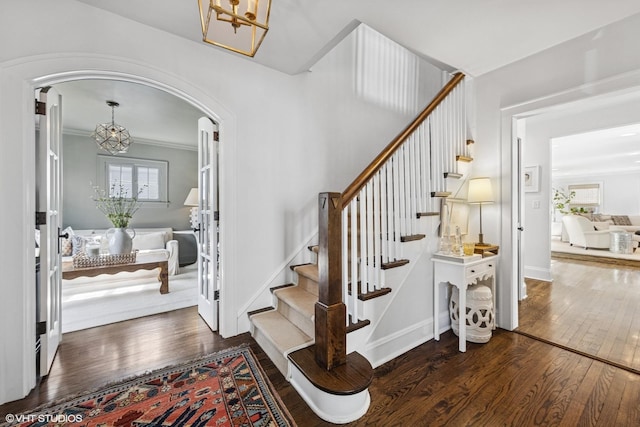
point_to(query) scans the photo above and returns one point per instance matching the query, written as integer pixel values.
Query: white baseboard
(277, 278)
(392, 346)
(538, 273)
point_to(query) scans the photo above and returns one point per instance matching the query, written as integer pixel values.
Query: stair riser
(301, 320)
(308, 284)
(274, 354)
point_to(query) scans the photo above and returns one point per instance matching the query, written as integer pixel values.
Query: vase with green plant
(119, 207)
(562, 200)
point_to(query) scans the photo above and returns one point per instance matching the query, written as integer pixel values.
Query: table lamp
(192, 200)
(480, 192)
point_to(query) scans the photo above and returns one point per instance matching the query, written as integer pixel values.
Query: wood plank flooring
(591, 307)
(512, 380)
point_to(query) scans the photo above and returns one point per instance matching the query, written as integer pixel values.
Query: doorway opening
(181, 154)
(576, 298)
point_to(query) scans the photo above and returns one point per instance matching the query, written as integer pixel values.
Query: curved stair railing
(360, 229)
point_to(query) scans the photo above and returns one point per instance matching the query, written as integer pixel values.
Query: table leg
(462, 318)
(436, 310)
(493, 300)
(163, 278)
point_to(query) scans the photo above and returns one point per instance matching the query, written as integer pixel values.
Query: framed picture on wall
(531, 179)
(458, 216)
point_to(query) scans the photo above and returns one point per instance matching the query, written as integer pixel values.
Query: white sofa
(582, 233)
(146, 241)
(620, 223)
(615, 222)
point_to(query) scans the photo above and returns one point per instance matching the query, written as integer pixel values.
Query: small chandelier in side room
(237, 25)
(112, 137)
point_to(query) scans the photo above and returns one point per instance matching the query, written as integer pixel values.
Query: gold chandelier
(237, 25)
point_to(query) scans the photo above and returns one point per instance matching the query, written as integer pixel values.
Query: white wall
(343, 129)
(283, 140)
(79, 174)
(599, 62)
(620, 192)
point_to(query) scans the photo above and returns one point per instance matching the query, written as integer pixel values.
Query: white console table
(461, 272)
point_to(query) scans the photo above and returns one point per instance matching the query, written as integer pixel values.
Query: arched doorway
(19, 80)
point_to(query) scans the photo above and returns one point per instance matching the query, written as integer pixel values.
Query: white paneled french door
(208, 254)
(49, 218)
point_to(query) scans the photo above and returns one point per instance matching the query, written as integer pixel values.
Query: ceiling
(469, 35)
(613, 150)
(151, 115)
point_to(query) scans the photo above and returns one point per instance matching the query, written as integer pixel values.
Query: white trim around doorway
(604, 88)
(18, 81)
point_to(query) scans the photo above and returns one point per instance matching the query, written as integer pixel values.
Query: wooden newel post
(330, 311)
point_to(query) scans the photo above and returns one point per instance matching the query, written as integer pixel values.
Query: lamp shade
(192, 198)
(480, 190)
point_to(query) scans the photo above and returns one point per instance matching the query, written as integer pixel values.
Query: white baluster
(370, 238)
(354, 259)
(426, 166)
(413, 159)
(390, 211)
(396, 206)
(377, 252)
(345, 262)
(384, 239)
(402, 180)
(363, 240)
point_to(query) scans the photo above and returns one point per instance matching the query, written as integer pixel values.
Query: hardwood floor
(511, 380)
(591, 307)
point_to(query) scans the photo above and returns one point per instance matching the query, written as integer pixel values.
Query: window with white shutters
(148, 179)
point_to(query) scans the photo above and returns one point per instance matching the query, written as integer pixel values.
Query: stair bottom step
(351, 378)
(278, 337)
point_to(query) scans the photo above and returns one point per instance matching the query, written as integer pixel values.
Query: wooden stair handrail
(330, 311)
(354, 188)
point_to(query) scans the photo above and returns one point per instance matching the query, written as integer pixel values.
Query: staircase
(305, 332)
(289, 325)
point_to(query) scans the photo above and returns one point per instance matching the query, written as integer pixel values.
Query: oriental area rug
(227, 388)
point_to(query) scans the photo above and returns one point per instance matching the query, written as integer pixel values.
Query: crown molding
(165, 144)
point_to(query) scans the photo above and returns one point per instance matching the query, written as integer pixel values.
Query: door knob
(61, 236)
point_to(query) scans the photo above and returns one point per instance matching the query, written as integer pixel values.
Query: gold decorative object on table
(82, 261)
(468, 248)
(486, 249)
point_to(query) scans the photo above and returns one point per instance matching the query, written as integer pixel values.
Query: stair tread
(260, 310)
(453, 175)
(440, 193)
(394, 264)
(412, 237)
(284, 335)
(374, 294)
(350, 378)
(421, 214)
(297, 298)
(308, 270)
